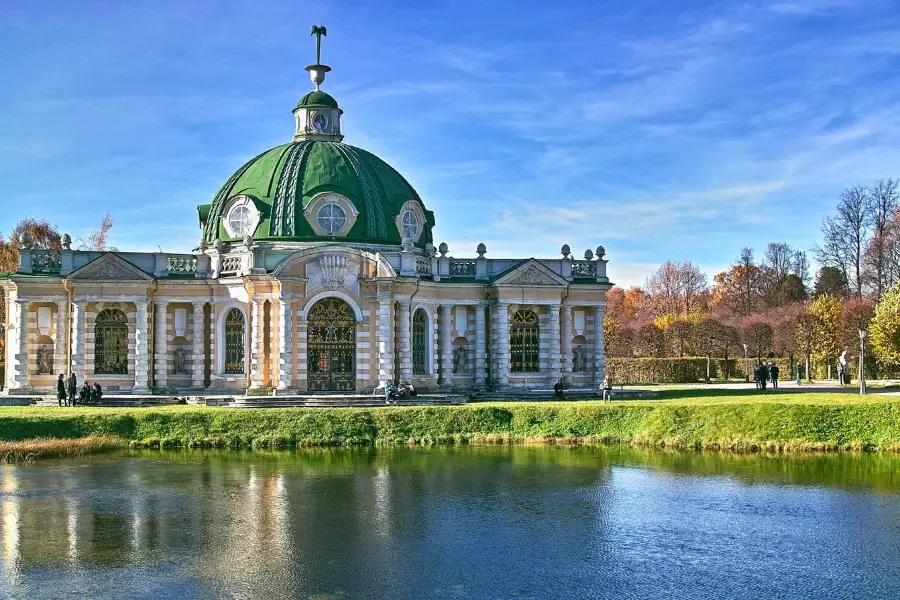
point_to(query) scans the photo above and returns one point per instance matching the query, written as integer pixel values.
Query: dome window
(241, 217)
(331, 217)
(410, 225)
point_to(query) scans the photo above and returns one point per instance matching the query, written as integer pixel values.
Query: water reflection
(458, 522)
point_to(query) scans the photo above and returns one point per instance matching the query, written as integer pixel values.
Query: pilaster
(566, 342)
(403, 327)
(141, 348)
(161, 346)
(62, 337)
(198, 346)
(599, 347)
(480, 346)
(446, 345)
(555, 363)
(502, 309)
(385, 350)
(285, 343)
(256, 344)
(78, 338)
(20, 355)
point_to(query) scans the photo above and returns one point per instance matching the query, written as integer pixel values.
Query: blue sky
(661, 130)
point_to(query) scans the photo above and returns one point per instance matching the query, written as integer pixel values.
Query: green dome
(317, 99)
(284, 180)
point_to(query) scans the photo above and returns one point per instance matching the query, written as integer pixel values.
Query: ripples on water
(519, 522)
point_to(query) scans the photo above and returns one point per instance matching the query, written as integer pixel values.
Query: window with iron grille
(234, 342)
(111, 342)
(523, 341)
(419, 327)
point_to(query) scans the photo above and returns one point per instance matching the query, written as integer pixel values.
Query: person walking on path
(72, 389)
(61, 389)
(756, 374)
(799, 372)
(763, 375)
(773, 373)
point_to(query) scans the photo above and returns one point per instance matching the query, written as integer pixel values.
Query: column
(446, 345)
(198, 343)
(480, 346)
(62, 337)
(78, 338)
(599, 348)
(20, 367)
(555, 364)
(403, 326)
(256, 344)
(502, 343)
(385, 349)
(161, 346)
(285, 343)
(300, 337)
(566, 342)
(141, 348)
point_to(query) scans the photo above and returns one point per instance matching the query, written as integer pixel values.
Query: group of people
(606, 387)
(765, 373)
(398, 391)
(68, 394)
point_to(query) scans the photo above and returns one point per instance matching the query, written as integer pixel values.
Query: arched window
(420, 338)
(234, 342)
(523, 342)
(111, 342)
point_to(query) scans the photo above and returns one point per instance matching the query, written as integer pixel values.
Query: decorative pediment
(531, 272)
(110, 266)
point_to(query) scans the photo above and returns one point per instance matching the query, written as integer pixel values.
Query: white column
(256, 344)
(480, 346)
(62, 337)
(385, 335)
(599, 348)
(302, 360)
(502, 343)
(555, 363)
(446, 345)
(161, 346)
(141, 349)
(566, 342)
(403, 326)
(198, 343)
(20, 356)
(78, 338)
(285, 343)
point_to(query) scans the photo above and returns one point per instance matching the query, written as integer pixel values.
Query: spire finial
(318, 70)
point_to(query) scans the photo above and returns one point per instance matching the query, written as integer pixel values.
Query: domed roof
(283, 181)
(317, 99)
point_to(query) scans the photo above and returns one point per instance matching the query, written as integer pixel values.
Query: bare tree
(883, 199)
(844, 236)
(677, 288)
(98, 238)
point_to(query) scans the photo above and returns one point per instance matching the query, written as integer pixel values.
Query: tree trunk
(708, 361)
(808, 378)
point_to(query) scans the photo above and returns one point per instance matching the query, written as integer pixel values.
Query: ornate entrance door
(331, 347)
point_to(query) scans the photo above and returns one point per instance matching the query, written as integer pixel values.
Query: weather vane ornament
(318, 70)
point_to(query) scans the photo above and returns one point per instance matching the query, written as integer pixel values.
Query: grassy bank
(33, 449)
(719, 420)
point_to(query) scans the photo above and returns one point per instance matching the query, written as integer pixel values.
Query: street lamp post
(862, 365)
(746, 366)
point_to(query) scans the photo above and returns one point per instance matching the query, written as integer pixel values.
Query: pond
(462, 522)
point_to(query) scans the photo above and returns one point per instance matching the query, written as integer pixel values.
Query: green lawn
(696, 418)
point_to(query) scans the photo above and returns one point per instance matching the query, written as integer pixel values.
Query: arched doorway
(331, 347)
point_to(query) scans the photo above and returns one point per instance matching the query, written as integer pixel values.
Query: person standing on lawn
(773, 373)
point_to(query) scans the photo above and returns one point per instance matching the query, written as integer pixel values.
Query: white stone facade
(177, 309)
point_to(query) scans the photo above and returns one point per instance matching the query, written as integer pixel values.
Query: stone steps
(342, 401)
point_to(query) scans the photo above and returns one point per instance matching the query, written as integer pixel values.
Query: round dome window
(410, 224)
(240, 220)
(331, 217)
